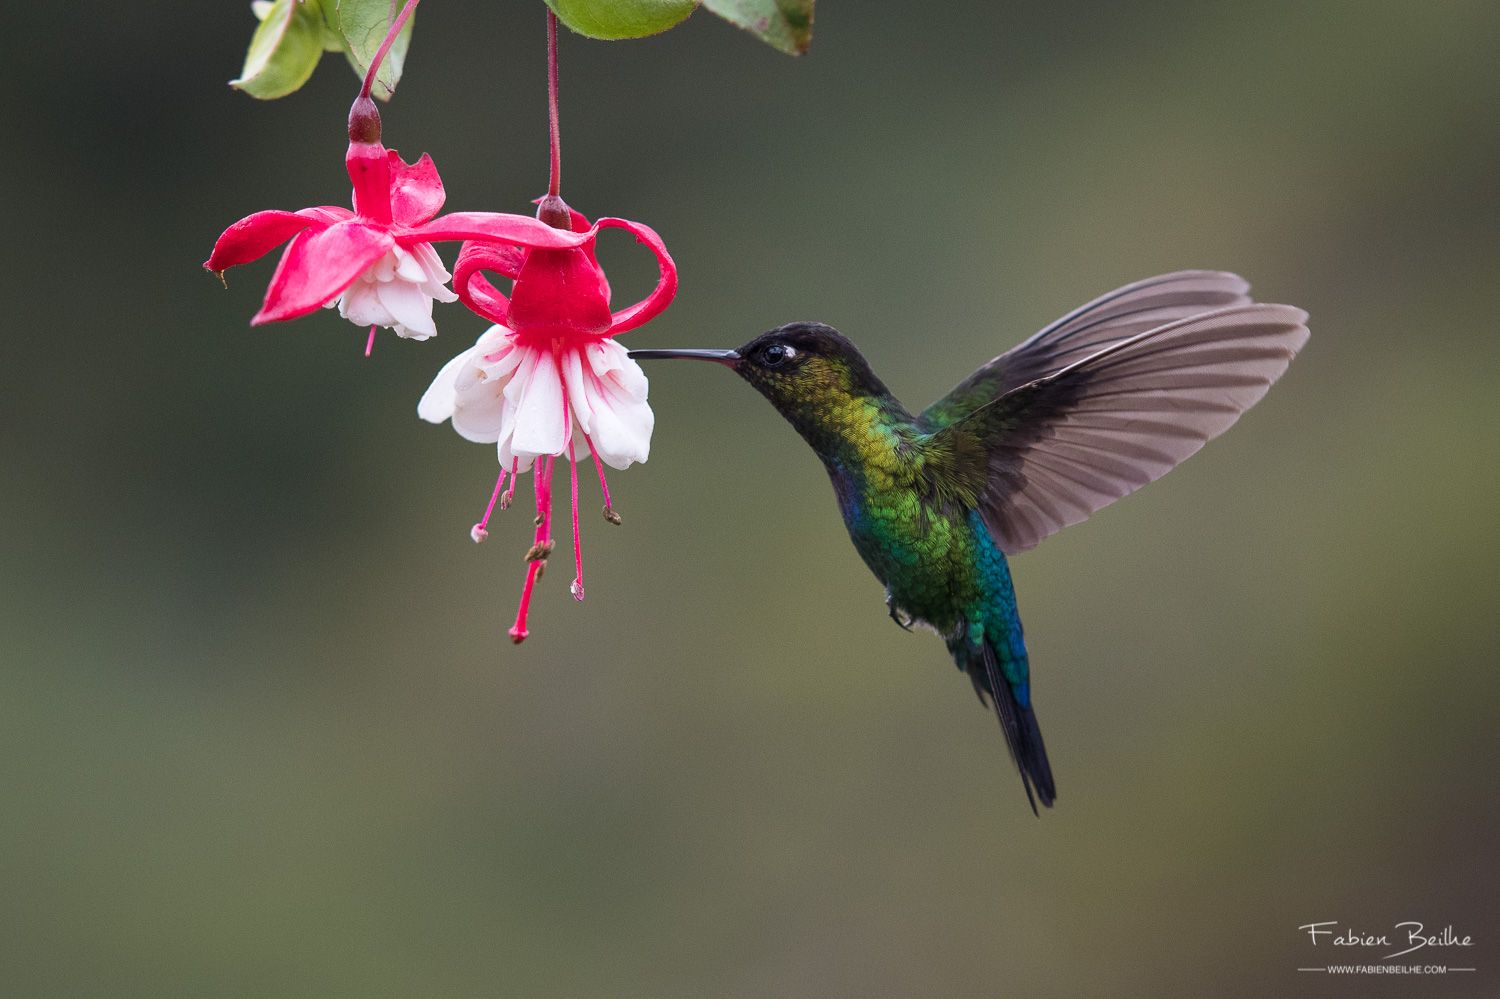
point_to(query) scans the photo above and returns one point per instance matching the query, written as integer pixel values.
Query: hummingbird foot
(897, 614)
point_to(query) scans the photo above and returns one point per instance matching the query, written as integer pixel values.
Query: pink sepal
(494, 227)
(474, 289)
(253, 236)
(666, 286)
(318, 266)
(416, 190)
(327, 214)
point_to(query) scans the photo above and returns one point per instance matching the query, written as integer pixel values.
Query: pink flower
(376, 263)
(548, 372)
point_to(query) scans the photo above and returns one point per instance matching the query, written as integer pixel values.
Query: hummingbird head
(814, 377)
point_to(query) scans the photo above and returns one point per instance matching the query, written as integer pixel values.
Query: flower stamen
(541, 472)
(577, 586)
(515, 475)
(480, 530)
(370, 343)
(609, 508)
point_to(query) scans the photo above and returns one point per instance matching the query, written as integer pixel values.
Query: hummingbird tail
(1022, 734)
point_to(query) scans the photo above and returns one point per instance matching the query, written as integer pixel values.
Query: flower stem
(385, 46)
(554, 179)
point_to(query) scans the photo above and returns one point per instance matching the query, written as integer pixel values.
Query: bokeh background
(263, 735)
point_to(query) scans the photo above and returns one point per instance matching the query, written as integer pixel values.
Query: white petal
(540, 426)
(578, 400)
(434, 273)
(437, 402)
(410, 309)
(361, 305)
(408, 268)
(615, 392)
(477, 414)
(622, 426)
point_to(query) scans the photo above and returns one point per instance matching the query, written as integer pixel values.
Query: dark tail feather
(1022, 736)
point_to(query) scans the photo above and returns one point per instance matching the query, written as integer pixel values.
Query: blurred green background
(262, 731)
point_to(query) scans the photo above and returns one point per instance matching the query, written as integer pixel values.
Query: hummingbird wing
(1067, 444)
(1119, 315)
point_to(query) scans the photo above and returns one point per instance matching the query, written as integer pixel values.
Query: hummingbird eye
(777, 354)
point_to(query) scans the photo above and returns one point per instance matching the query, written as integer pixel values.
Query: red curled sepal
(474, 289)
(661, 296)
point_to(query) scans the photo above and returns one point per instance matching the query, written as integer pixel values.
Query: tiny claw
(478, 533)
(576, 588)
(903, 619)
(537, 520)
(539, 552)
(611, 516)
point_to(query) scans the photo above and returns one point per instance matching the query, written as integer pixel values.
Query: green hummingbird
(1106, 399)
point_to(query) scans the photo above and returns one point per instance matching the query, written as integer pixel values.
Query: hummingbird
(1106, 399)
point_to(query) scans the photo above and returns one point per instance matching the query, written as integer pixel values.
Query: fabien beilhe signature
(1409, 934)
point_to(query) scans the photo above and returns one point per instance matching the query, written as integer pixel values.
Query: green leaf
(363, 24)
(284, 50)
(783, 24)
(615, 19)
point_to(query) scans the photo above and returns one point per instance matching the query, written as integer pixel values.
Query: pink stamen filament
(480, 531)
(609, 506)
(385, 46)
(577, 588)
(515, 475)
(370, 343)
(567, 413)
(541, 471)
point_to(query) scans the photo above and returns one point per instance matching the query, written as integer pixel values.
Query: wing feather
(1119, 315)
(1067, 444)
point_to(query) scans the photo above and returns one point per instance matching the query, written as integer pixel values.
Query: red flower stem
(555, 163)
(385, 46)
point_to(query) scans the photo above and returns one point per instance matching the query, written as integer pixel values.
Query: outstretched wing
(1073, 441)
(1121, 314)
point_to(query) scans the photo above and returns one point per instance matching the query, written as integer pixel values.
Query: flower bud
(364, 121)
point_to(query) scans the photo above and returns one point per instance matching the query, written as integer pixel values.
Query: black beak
(729, 357)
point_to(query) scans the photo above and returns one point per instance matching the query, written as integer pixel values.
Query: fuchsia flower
(376, 263)
(548, 372)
